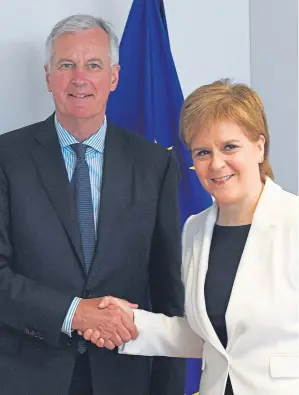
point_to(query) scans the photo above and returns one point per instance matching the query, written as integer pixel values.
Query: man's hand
(95, 336)
(122, 303)
(113, 324)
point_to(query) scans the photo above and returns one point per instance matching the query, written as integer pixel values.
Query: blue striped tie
(84, 206)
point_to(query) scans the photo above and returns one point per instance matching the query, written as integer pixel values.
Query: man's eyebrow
(98, 60)
(61, 60)
(95, 60)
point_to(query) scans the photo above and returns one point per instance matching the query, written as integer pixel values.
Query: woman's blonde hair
(225, 101)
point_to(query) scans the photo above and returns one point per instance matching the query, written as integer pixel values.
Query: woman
(240, 257)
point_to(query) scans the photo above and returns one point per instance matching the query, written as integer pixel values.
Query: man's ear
(48, 77)
(114, 77)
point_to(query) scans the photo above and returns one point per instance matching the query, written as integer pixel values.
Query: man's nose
(79, 76)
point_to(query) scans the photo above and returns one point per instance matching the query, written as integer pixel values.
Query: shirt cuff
(67, 323)
(122, 346)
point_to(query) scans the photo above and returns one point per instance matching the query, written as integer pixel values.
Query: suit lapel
(51, 169)
(115, 196)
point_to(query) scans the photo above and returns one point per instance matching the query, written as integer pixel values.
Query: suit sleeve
(159, 335)
(166, 287)
(25, 305)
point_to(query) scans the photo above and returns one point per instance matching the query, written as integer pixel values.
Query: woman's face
(227, 162)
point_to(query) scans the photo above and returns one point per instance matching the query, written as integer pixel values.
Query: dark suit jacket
(137, 257)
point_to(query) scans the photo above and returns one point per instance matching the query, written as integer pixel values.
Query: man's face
(80, 75)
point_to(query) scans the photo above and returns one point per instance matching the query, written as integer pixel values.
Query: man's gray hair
(75, 23)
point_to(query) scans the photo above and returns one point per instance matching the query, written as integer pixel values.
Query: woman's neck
(239, 213)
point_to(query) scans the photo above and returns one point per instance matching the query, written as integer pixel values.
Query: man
(86, 210)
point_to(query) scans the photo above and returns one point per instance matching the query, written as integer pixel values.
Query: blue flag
(148, 101)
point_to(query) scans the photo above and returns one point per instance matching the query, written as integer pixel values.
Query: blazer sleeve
(25, 305)
(160, 335)
(166, 287)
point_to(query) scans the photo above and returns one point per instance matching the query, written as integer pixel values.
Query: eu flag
(148, 101)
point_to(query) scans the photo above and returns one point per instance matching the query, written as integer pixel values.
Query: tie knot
(80, 150)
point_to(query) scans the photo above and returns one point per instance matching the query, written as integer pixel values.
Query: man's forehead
(92, 45)
(92, 36)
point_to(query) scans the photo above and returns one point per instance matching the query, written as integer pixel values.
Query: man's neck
(83, 128)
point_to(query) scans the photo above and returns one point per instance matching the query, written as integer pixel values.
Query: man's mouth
(80, 96)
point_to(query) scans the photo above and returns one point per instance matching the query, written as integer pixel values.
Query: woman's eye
(230, 147)
(202, 153)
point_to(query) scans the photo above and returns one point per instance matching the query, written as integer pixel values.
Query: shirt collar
(96, 141)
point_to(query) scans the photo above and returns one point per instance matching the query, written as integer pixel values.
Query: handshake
(106, 322)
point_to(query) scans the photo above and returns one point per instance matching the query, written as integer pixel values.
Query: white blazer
(262, 318)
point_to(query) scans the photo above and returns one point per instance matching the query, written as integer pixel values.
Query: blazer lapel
(50, 166)
(201, 250)
(115, 196)
(255, 252)
(256, 249)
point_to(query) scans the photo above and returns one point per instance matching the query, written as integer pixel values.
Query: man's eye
(94, 66)
(66, 66)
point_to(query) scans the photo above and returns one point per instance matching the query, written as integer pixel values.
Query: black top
(225, 254)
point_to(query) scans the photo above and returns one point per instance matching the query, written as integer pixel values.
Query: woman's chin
(226, 199)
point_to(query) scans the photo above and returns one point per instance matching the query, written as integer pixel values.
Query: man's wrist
(68, 321)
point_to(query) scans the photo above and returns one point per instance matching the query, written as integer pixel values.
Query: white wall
(209, 38)
(274, 75)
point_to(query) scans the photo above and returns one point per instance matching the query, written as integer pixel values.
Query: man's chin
(78, 114)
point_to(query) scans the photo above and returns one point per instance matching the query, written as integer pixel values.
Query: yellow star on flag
(169, 148)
